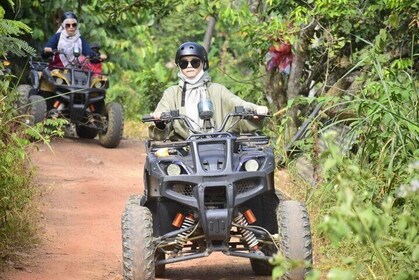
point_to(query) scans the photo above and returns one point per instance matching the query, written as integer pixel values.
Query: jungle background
(354, 63)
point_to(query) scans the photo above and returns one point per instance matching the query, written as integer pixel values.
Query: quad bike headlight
(98, 85)
(59, 81)
(251, 165)
(173, 169)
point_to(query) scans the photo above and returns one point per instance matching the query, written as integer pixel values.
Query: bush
(368, 199)
(17, 208)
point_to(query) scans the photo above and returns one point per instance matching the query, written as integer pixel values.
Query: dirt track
(85, 187)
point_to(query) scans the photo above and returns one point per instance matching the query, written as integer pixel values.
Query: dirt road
(85, 187)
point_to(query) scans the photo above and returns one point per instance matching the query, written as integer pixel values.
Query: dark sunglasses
(68, 25)
(195, 63)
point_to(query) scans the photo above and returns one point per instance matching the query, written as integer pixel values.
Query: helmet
(67, 15)
(192, 48)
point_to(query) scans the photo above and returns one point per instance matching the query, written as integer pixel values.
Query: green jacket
(223, 101)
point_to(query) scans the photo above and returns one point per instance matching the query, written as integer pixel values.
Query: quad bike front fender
(34, 77)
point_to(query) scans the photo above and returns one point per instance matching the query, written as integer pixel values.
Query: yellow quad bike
(75, 93)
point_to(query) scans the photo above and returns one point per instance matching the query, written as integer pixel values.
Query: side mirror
(76, 52)
(205, 109)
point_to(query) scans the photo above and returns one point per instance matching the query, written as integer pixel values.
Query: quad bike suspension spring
(248, 236)
(181, 238)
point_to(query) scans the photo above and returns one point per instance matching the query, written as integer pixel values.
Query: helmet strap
(182, 104)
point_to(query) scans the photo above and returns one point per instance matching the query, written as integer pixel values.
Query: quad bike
(213, 192)
(77, 94)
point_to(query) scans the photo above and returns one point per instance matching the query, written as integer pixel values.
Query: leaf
(415, 254)
(339, 274)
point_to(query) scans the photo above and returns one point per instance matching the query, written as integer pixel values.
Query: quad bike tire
(114, 115)
(138, 251)
(86, 132)
(37, 107)
(295, 240)
(23, 97)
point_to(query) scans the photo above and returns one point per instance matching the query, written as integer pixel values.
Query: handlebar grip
(147, 118)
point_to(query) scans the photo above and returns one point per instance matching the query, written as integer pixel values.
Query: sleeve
(86, 50)
(166, 103)
(52, 43)
(232, 101)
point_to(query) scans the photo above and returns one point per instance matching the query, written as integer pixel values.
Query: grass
(19, 210)
(135, 130)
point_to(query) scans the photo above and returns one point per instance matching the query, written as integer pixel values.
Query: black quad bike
(75, 93)
(213, 192)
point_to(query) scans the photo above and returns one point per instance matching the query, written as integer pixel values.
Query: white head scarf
(196, 90)
(66, 43)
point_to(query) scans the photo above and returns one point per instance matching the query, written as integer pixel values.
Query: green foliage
(141, 39)
(139, 96)
(9, 30)
(282, 265)
(16, 191)
(48, 129)
(369, 199)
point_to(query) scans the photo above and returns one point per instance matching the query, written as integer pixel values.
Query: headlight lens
(173, 169)
(251, 165)
(98, 85)
(59, 81)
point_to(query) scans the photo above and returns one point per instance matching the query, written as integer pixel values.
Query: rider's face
(70, 26)
(190, 71)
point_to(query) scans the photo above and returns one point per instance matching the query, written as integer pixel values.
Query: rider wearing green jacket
(195, 85)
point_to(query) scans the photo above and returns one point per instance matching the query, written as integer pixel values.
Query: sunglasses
(195, 63)
(68, 25)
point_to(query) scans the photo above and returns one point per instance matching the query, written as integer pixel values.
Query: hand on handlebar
(48, 50)
(261, 110)
(156, 115)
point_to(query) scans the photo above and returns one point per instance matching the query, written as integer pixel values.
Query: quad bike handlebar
(79, 60)
(239, 111)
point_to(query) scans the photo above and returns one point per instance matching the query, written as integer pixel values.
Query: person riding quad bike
(209, 184)
(74, 92)
(65, 40)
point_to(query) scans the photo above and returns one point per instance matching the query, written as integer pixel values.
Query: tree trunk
(209, 32)
(300, 49)
(275, 86)
(254, 6)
